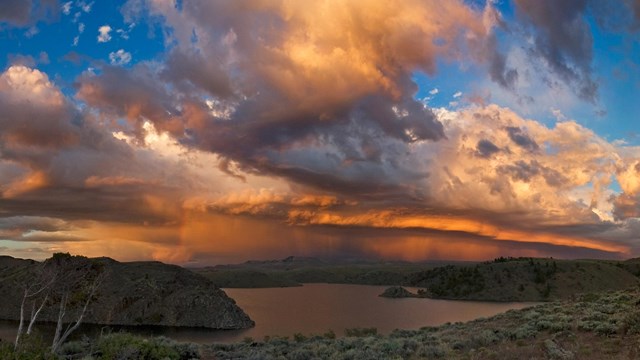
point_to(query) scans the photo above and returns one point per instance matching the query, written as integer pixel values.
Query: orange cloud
(392, 219)
(97, 181)
(33, 181)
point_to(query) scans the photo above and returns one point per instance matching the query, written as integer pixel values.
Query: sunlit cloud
(251, 129)
(104, 34)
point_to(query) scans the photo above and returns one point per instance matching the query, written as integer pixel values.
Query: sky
(204, 132)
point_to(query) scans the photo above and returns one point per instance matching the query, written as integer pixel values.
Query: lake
(317, 308)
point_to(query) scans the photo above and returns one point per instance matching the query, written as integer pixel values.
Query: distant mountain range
(504, 279)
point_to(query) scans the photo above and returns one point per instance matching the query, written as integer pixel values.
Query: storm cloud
(298, 122)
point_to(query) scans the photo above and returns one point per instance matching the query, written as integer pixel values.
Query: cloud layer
(301, 120)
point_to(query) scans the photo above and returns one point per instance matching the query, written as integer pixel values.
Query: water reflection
(315, 309)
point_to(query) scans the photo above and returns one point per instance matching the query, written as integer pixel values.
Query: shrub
(127, 346)
(300, 354)
(361, 332)
(631, 323)
(298, 337)
(329, 335)
(32, 347)
(526, 331)
(556, 352)
(432, 351)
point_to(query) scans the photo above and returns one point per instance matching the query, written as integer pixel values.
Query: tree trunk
(34, 315)
(24, 299)
(60, 339)
(56, 337)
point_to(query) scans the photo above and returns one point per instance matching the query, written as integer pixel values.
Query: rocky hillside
(135, 293)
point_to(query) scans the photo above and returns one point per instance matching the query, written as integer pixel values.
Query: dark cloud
(522, 139)
(526, 171)
(521, 170)
(15, 11)
(28, 223)
(562, 38)
(190, 70)
(135, 95)
(626, 206)
(486, 148)
(26, 12)
(635, 6)
(498, 70)
(124, 204)
(270, 100)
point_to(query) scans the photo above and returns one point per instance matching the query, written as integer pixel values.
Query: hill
(523, 279)
(293, 271)
(134, 293)
(245, 278)
(504, 279)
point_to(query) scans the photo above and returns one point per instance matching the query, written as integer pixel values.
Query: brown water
(317, 308)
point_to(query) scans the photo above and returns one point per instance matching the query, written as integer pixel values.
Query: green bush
(329, 335)
(361, 332)
(32, 347)
(631, 323)
(127, 346)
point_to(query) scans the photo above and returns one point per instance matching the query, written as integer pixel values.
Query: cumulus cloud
(66, 7)
(28, 97)
(120, 57)
(312, 86)
(304, 115)
(38, 177)
(104, 33)
(330, 115)
(85, 6)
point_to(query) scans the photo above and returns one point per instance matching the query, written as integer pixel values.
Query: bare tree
(71, 283)
(39, 284)
(74, 289)
(60, 337)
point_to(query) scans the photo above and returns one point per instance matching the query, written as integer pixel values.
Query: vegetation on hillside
(523, 279)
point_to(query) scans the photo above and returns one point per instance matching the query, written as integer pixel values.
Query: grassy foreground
(591, 326)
